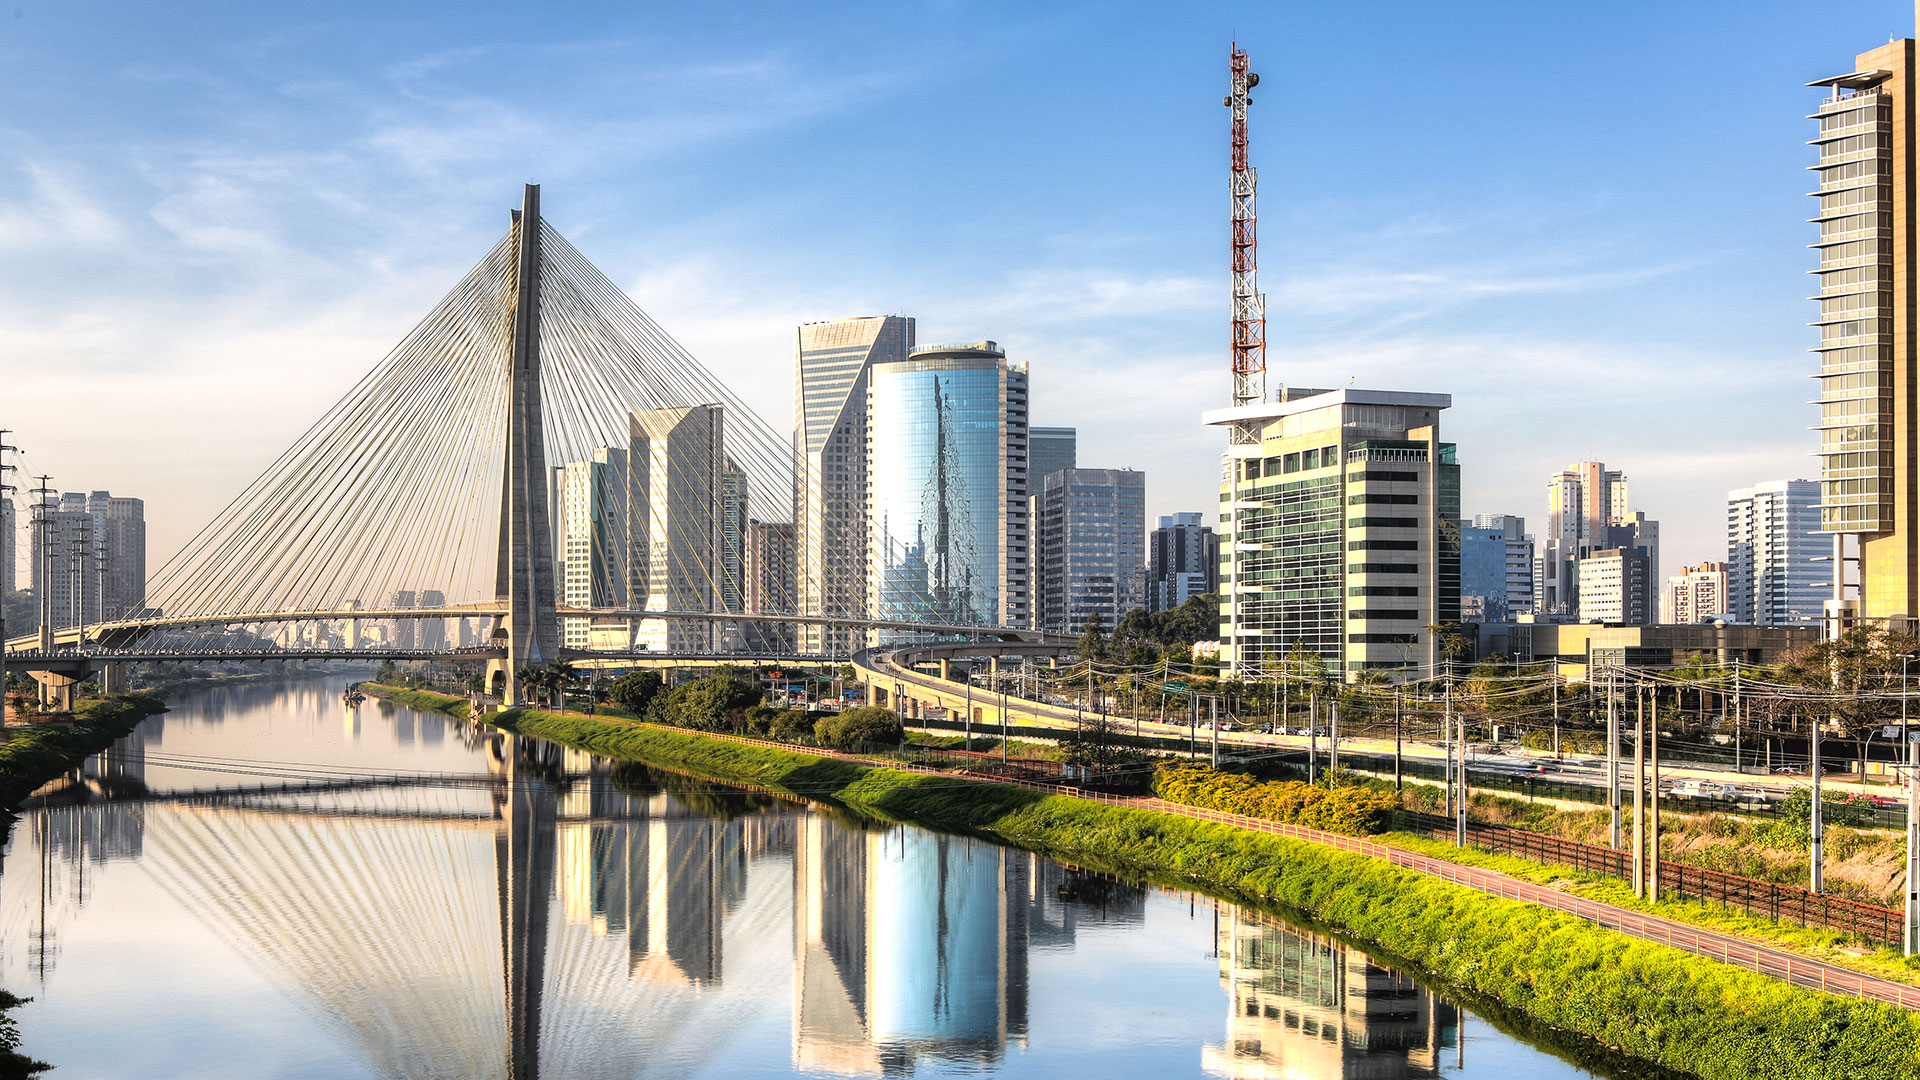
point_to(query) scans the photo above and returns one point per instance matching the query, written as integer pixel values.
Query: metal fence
(1752, 895)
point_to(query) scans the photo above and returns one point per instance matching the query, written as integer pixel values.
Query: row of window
(1382, 613)
(1852, 250)
(1850, 303)
(1382, 497)
(1383, 523)
(1853, 223)
(1384, 474)
(1854, 275)
(1383, 639)
(1317, 458)
(1852, 170)
(1860, 196)
(1383, 545)
(1854, 328)
(1384, 590)
(1852, 144)
(1382, 568)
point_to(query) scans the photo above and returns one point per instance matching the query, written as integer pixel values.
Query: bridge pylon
(524, 582)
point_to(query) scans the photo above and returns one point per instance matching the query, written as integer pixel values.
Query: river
(264, 882)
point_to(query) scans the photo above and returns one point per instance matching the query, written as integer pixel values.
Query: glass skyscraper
(947, 486)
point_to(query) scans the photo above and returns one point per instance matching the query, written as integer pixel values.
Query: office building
(89, 552)
(403, 632)
(1865, 174)
(1696, 594)
(1496, 569)
(770, 584)
(676, 554)
(1339, 530)
(591, 541)
(433, 632)
(1089, 530)
(946, 482)
(1183, 561)
(1050, 449)
(1773, 540)
(1587, 511)
(1615, 586)
(831, 362)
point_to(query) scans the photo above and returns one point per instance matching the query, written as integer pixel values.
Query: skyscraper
(1089, 532)
(1868, 487)
(591, 538)
(1050, 449)
(831, 362)
(1183, 561)
(1615, 586)
(1773, 538)
(1587, 511)
(1496, 569)
(770, 586)
(946, 504)
(89, 552)
(1340, 532)
(677, 558)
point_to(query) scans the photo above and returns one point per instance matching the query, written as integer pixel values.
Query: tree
(388, 675)
(1095, 741)
(635, 690)
(1093, 641)
(1855, 671)
(716, 703)
(860, 727)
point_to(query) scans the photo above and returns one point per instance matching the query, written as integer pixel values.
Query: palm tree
(560, 675)
(533, 680)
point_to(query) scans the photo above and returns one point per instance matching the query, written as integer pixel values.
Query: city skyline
(173, 257)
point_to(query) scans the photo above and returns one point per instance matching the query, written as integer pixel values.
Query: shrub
(716, 703)
(1354, 810)
(867, 725)
(791, 725)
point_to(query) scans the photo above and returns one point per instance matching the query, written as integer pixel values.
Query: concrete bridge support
(56, 689)
(113, 678)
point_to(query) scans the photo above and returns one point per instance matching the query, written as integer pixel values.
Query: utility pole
(1446, 728)
(6, 489)
(967, 726)
(1653, 814)
(1740, 770)
(1613, 759)
(1333, 740)
(1313, 732)
(1639, 792)
(1397, 784)
(1556, 708)
(43, 554)
(1816, 873)
(1910, 935)
(1466, 795)
(1213, 724)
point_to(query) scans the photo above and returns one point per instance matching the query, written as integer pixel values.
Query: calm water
(410, 897)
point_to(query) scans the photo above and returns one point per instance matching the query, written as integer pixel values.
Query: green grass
(1649, 1001)
(431, 701)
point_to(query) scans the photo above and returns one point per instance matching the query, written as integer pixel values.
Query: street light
(1910, 933)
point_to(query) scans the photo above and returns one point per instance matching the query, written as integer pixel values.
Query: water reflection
(493, 906)
(1304, 1005)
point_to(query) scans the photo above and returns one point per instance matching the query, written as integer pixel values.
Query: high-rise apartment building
(1695, 594)
(1773, 538)
(1050, 449)
(1496, 569)
(947, 529)
(1868, 487)
(1340, 530)
(1183, 561)
(770, 586)
(89, 553)
(1090, 529)
(433, 632)
(1587, 511)
(591, 537)
(1616, 586)
(404, 632)
(677, 555)
(831, 362)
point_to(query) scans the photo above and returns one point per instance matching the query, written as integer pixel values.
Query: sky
(1587, 223)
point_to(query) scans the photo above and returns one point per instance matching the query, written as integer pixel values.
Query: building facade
(1496, 569)
(1183, 561)
(1587, 511)
(1090, 530)
(1867, 262)
(676, 557)
(1340, 531)
(947, 502)
(1616, 586)
(88, 552)
(592, 544)
(1696, 594)
(1050, 449)
(1773, 539)
(831, 364)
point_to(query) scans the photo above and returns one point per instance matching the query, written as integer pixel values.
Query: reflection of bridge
(536, 457)
(531, 920)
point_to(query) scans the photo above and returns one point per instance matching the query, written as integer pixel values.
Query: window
(1382, 613)
(1383, 523)
(1382, 497)
(1383, 545)
(1384, 639)
(1384, 590)
(1382, 568)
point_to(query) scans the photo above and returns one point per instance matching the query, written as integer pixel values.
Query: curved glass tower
(947, 486)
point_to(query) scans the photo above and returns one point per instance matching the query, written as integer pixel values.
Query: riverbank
(1648, 1001)
(33, 755)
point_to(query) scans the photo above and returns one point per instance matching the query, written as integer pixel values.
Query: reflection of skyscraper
(907, 945)
(1300, 1004)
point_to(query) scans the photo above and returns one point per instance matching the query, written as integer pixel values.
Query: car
(1547, 767)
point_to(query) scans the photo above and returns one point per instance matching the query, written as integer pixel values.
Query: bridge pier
(113, 678)
(56, 689)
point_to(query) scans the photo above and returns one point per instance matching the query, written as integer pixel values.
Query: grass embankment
(33, 755)
(1648, 1001)
(430, 700)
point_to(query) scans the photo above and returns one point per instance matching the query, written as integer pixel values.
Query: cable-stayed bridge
(537, 466)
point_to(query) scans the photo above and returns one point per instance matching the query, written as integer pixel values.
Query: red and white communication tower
(1249, 306)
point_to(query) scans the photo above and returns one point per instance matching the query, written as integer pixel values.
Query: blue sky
(1586, 222)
